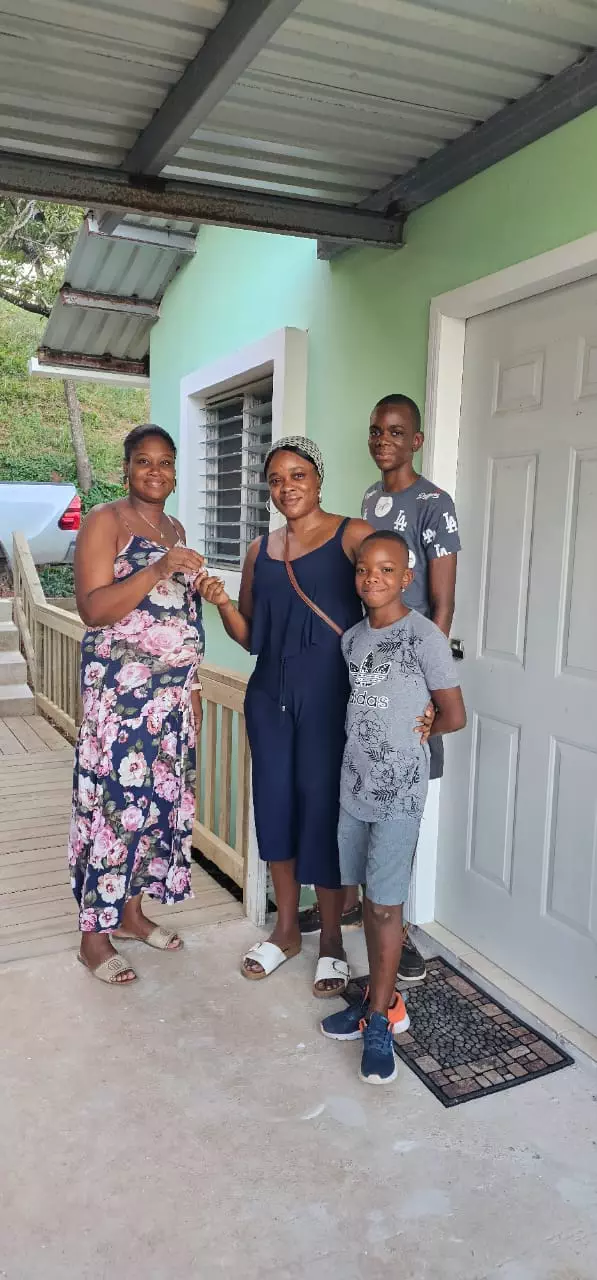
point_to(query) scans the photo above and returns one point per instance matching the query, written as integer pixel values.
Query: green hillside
(34, 431)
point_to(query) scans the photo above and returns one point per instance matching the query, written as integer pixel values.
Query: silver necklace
(155, 527)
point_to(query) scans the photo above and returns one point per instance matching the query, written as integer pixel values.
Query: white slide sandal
(269, 957)
(330, 970)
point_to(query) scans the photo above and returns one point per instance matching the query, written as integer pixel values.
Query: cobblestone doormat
(464, 1045)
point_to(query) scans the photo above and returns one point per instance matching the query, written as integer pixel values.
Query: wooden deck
(37, 908)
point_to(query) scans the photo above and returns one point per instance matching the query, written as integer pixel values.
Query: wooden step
(16, 700)
(9, 637)
(13, 668)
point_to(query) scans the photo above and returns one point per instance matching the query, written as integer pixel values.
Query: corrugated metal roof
(115, 267)
(346, 95)
(128, 268)
(350, 93)
(73, 330)
(79, 80)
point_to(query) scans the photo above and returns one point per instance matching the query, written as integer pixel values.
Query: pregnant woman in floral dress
(134, 779)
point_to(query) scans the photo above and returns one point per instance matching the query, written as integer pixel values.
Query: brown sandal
(109, 970)
(158, 938)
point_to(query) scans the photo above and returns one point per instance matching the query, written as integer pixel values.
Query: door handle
(457, 648)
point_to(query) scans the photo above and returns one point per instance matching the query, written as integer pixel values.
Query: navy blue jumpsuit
(295, 707)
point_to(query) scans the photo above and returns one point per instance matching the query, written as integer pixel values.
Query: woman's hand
(214, 591)
(179, 560)
(203, 573)
(197, 706)
(424, 723)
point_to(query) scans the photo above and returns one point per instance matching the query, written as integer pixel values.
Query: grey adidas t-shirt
(392, 671)
(426, 518)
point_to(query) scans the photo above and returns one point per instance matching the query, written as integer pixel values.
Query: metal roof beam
(567, 95)
(228, 50)
(562, 98)
(108, 302)
(158, 237)
(87, 373)
(69, 183)
(49, 358)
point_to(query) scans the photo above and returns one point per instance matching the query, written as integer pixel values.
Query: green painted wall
(366, 313)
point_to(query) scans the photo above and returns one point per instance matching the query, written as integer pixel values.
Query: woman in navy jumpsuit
(296, 700)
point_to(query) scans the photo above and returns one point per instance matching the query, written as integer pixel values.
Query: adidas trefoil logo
(367, 675)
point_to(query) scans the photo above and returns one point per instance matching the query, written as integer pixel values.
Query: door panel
(507, 556)
(494, 776)
(517, 873)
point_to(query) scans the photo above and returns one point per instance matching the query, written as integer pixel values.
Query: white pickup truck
(48, 514)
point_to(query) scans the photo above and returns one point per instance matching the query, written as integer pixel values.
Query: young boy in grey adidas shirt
(397, 661)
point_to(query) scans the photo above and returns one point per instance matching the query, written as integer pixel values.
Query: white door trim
(449, 313)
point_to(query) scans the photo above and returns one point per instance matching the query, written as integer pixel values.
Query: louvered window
(233, 492)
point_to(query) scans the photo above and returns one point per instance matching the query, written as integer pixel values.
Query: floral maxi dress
(134, 777)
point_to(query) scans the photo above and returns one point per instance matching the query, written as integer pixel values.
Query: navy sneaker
(378, 1063)
(348, 1023)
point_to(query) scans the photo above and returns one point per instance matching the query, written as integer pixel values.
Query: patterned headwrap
(301, 445)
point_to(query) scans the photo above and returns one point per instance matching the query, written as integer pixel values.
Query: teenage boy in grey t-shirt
(397, 660)
(407, 503)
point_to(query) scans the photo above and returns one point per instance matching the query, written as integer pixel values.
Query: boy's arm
(451, 714)
(441, 541)
(442, 589)
(439, 670)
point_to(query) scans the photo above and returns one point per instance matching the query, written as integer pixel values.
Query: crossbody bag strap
(310, 603)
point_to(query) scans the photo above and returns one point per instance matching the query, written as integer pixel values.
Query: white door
(517, 856)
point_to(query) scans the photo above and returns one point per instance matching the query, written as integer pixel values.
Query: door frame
(449, 313)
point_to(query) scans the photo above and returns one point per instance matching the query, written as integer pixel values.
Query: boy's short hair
(386, 535)
(402, 401)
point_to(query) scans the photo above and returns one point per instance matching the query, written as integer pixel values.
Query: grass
(34, 431)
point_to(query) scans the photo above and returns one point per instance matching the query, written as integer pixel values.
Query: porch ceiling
(327, 118)
(308, 100)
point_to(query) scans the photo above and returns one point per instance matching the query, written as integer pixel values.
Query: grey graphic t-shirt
(392, 671)
(426, 518)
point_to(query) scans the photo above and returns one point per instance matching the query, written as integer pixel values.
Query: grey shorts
(378, 855)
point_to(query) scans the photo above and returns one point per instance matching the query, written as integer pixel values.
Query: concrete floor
(196, 1126)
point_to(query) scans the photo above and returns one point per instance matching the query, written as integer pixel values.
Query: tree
(35, 243)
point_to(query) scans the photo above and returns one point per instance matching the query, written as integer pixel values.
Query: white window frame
(281, 355)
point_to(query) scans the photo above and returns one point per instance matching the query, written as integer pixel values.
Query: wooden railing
(51, 643)
(223, 830)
